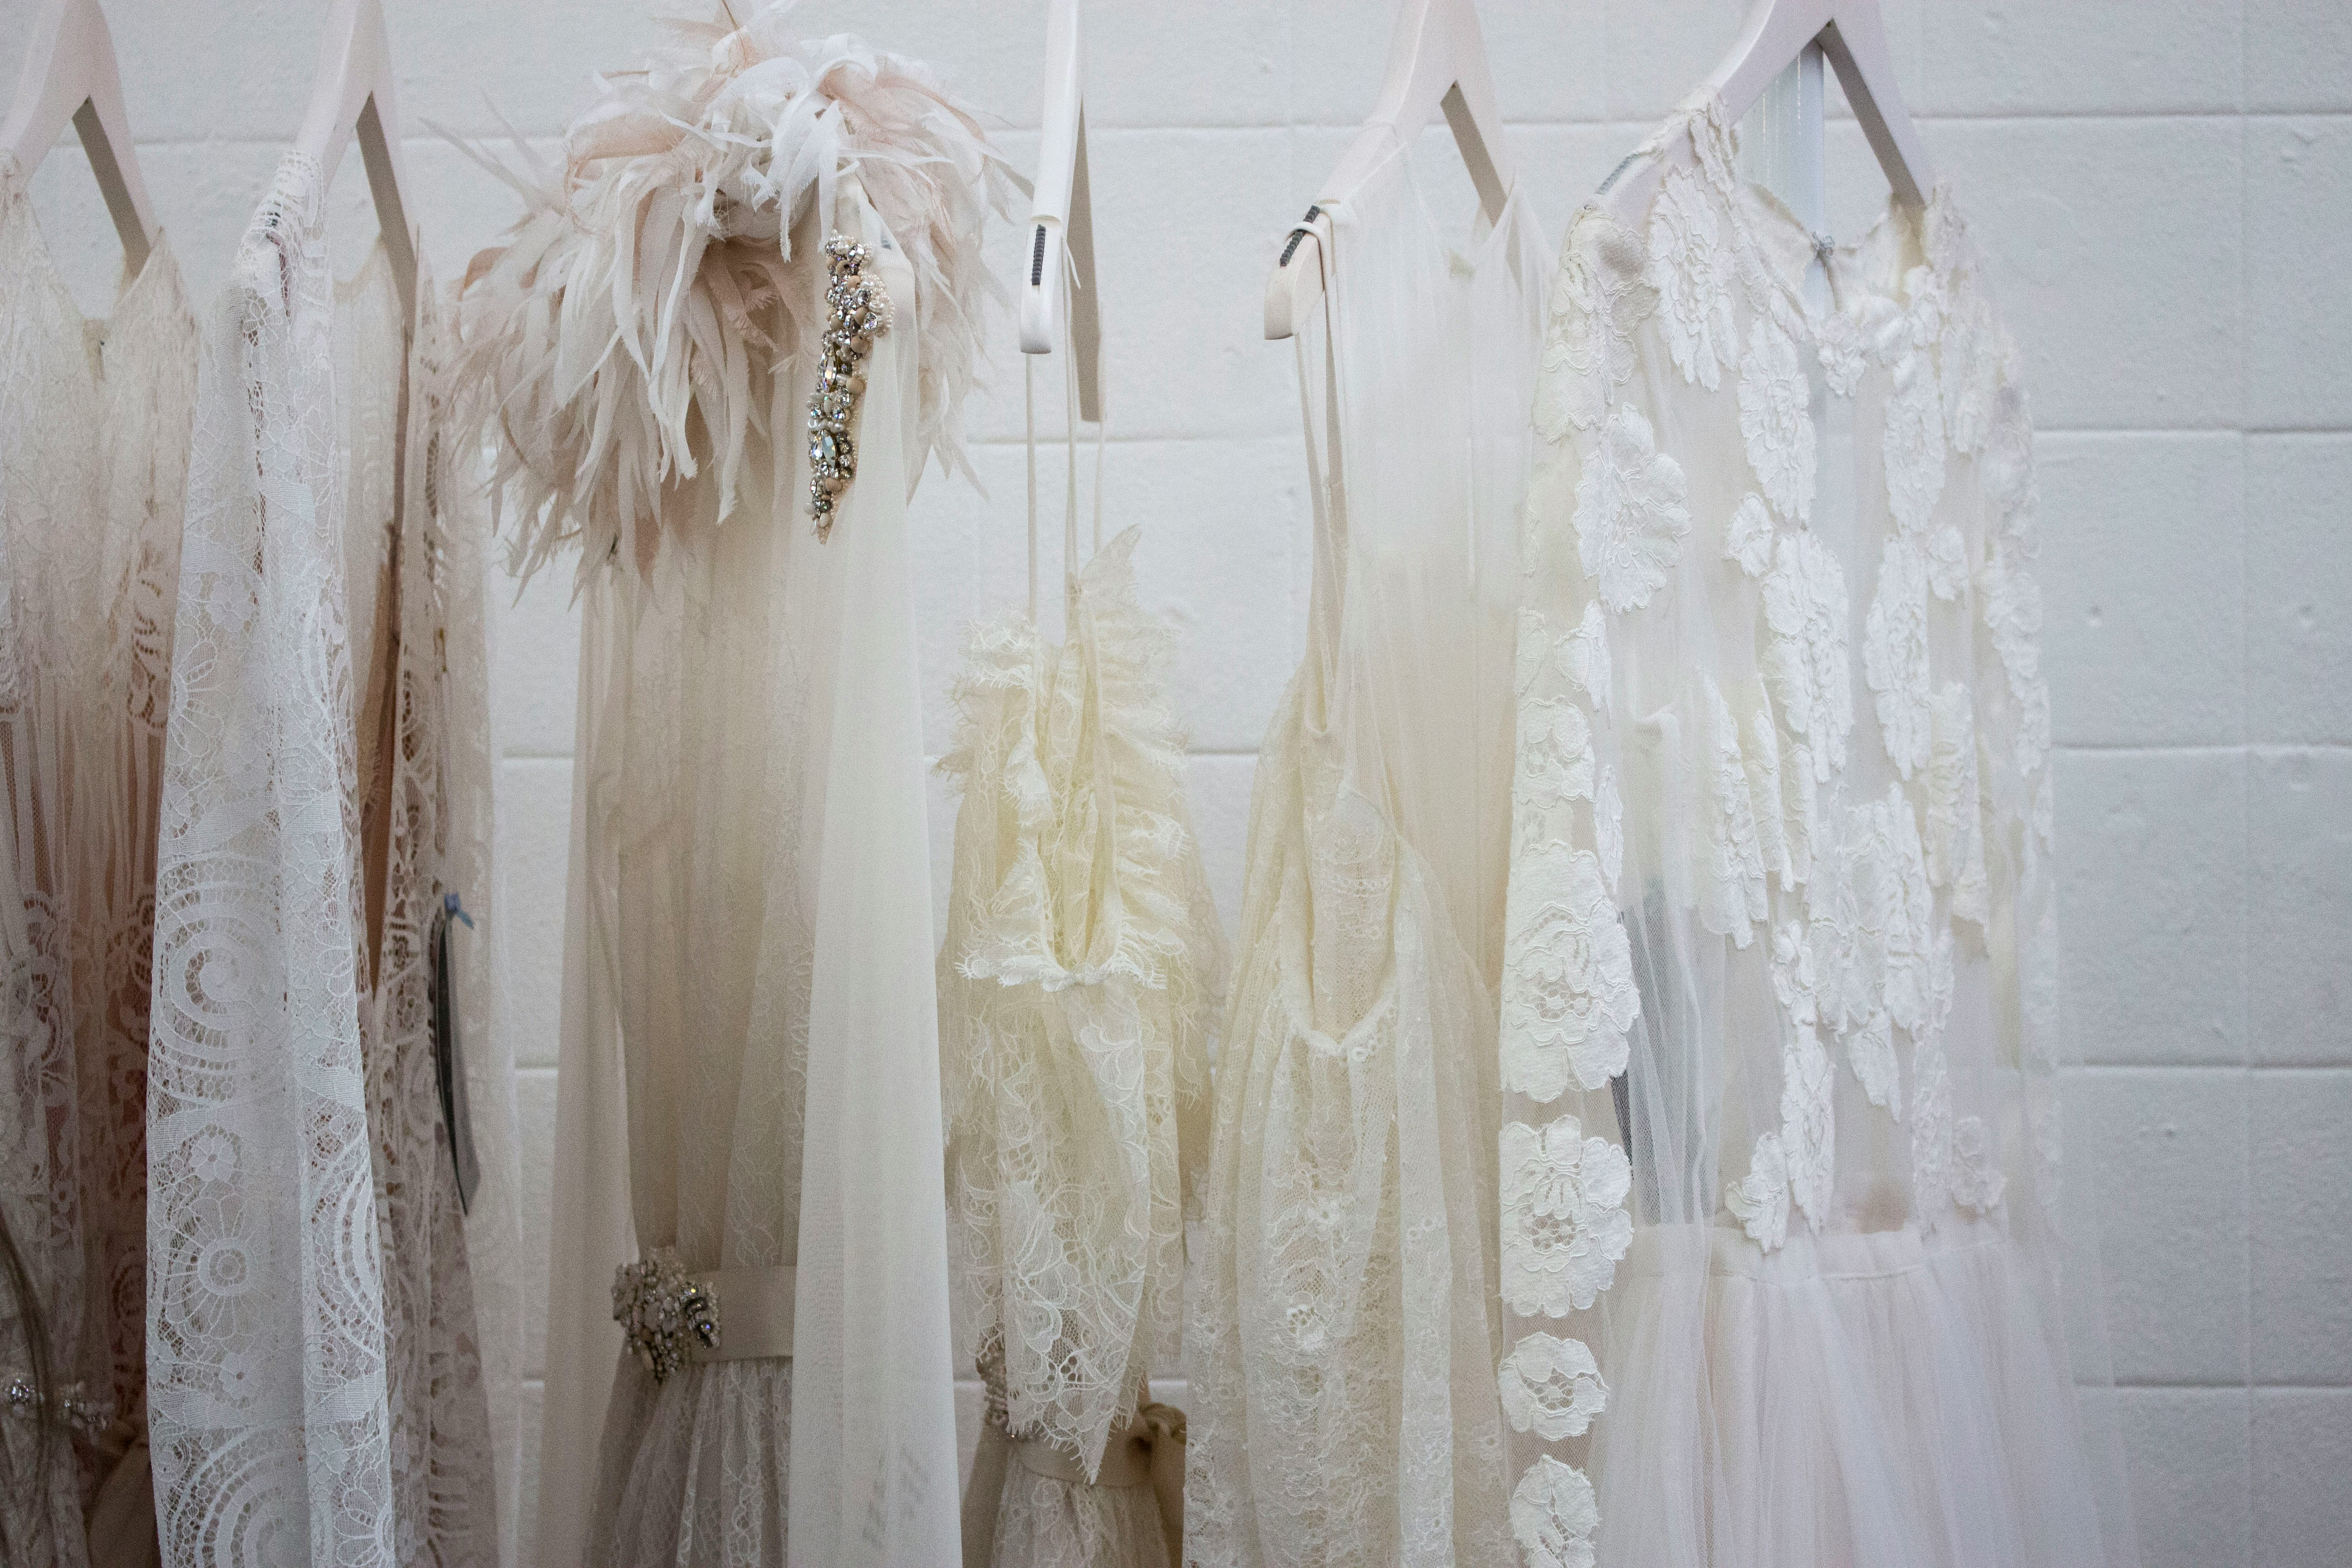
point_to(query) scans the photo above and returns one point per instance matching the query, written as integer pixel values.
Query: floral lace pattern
(1857, 852)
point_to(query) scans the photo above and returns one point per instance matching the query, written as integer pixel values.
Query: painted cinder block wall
(2165, 190)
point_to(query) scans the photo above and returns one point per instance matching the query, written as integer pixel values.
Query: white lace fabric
(1781, 1238)
(317, 1365)
(1081, 965)
(1341, 1338)
(94, 426)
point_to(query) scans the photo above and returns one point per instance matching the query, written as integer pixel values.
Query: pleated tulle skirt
(1874, 1398)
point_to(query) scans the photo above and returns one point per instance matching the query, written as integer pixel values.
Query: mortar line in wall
(2246, 833)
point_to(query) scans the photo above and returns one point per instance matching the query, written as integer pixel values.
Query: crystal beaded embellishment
(859, 312)
(662, 1313)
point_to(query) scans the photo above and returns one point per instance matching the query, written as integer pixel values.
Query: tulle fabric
(1790, 1274)
(1342, 1335)
(750, 1014)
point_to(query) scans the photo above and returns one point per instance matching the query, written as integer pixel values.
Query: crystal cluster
(80, 1412)
(859, 312)
(660, 1311)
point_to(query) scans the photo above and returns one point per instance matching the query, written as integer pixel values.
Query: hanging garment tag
(449, 1062)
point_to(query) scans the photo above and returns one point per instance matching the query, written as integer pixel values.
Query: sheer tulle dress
(1342, 1332)
(1076, 991)
(94, 423)
(1788, 1263)
(718, 351)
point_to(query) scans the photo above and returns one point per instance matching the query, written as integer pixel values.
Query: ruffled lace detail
(1081, 969)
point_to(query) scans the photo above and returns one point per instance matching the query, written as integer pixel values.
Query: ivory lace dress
(94, 421)
(1782, 1229)
(1342, 1332)
(766, 251)
(322, 1368)
(1076, 990)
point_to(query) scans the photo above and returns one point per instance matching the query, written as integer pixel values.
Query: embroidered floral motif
(1598, 300)
(1748, 538)
(1808, 1128)
(1551, 1386)
(1630, 518)
(1693, 271)
(1554, 1514)
(1870, 1051)
(1564, 1221)
(1731, 880)
(1761, 750)
(1976, 1179)
(2013, 613)
(1954, 839)
(1912, 441)
(1568, 975)
(1948, 562)
(1776, 419)
(1543, 661)
(1805, 663)
(1760, 1200)
(1931, 1133)
(1555, 761)
(1842, 343)
(1895, 656)
(1873, 923)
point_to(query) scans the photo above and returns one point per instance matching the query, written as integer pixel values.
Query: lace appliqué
(1776, 419)
(1564, 1219)
(1553, 1515)
(1692, 272)
(1630, 518)
(1551, 1386)
(1895, 656)
(1747, 539)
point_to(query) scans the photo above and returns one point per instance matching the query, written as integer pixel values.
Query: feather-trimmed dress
(718, 351)
(1076, 991)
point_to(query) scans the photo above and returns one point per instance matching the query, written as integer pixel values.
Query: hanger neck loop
(1070, 562)
(1326, 483)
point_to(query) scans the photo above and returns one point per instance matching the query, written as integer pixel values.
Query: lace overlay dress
(94, 423)
(1076, 990)
(1342, 1334)
(1782, 1231)
(319, 1371)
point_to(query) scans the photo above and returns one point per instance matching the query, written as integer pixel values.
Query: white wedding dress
(1343, 1333)
(94, 422)
(322, 1365)
(1782, 1233)
(748, 1123)
(1077, 988)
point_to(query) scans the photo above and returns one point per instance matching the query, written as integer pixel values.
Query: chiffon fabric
(321, 1365)
(1789, 1268)
(748, 1013)
(94, 426)
(1343, 1333)
(1077, 989)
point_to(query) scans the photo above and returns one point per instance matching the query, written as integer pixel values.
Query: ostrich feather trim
(630, 335)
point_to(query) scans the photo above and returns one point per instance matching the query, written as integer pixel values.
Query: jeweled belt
(671, 1316)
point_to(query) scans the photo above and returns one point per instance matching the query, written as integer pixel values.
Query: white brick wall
(2166, 189)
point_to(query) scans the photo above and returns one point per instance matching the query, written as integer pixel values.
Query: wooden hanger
(1062, 211)
(354, 93)
(1437, 64)
(1853, 37)
(69, 77)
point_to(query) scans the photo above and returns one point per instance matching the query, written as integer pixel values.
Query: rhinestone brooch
(859, 312)
(662, 1313)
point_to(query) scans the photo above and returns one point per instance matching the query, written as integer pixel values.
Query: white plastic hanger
(70, 76)
(1437, 63)
(1853, 37)
(1062, 210)
(354, 93)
